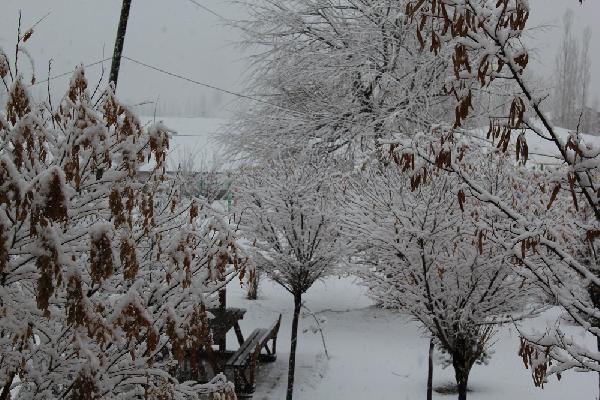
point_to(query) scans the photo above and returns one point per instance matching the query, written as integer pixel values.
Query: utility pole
(119, 41)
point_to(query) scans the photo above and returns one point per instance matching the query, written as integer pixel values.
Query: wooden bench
(243, 364)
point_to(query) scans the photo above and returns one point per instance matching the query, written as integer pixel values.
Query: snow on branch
(105, 272)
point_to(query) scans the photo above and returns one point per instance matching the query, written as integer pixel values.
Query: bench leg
(245, 378)
(244, 384)
(271, 352)
(238, 333)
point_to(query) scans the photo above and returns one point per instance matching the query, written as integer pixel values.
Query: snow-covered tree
(595, 117)
(429, 258)
(2, 94)
(202, 176)
(337, 76)
(289, 215)
(104, 274)
(567, 71)
(550, 246)
(572, 71)
(586, 122)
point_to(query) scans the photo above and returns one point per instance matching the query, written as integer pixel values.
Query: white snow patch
(380, 354)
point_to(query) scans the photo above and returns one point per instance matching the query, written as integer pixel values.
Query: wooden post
(119, 41)
(222, 307)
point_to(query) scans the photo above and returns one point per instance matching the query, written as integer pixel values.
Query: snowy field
(379, 354)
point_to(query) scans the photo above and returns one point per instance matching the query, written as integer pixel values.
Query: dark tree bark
(223, 306)
(598, 347)
(462, 389)
(461, 372)
(253, 285)
(594, 292)
(292, 363)
(119, 41)
(430, 371)
(6, 389)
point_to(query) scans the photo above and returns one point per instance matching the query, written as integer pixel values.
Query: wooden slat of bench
(270, 333)
(241, 357)
(263, 336)
(258, 337)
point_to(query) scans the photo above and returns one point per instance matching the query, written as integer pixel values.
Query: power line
(70, 72)
(208, 10)
(190, 80)
(178, 76)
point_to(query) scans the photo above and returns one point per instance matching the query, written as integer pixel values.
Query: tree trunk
(253, 285)
(598, 347)
(430, 372)
(594, 292)
(461, 372)
(292, 363)
(462, 389)
(119, 41)
(6, 389)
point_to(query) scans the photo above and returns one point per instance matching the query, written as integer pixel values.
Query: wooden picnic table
(224, 320)
(241, 364)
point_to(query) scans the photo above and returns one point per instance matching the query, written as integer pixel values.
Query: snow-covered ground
(379, 354)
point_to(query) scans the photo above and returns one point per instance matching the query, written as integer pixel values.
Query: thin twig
(155, 106)
(17, 47)
(49, 96)
(101, 75)
(312, 314)
(39, 21)
(70, 72)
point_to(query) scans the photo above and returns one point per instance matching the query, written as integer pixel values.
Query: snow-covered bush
(428, 257)
(104, 275)
(289, 215)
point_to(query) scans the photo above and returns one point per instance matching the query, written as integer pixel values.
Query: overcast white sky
(179, 36)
